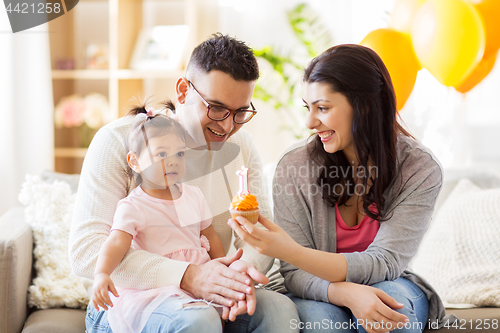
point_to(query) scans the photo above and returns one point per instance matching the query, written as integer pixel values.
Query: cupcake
(244, 204)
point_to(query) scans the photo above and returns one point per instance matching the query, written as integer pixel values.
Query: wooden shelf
(129, 74)
(70, 152)
(115, 25)
(80, 74)
(122, 74)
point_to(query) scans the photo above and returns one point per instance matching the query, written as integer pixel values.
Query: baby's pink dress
(170, 228)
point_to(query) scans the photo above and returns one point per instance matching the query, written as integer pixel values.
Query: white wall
(26, 127)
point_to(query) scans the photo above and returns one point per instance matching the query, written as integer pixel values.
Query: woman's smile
(326, 135)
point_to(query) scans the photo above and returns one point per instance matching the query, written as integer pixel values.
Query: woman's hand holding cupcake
(273, 242)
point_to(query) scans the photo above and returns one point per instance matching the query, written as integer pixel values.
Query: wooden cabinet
(112, 25)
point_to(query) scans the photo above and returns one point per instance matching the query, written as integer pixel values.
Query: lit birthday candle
(243, 174)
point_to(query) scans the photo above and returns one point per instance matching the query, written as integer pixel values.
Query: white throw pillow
(460, 254)
(49, 208)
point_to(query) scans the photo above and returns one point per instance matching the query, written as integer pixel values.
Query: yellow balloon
(448, 39)
(403, 13)
(395, 50)
(478, 74)
(490, 13)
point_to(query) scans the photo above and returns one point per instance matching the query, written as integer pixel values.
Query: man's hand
(100, 295)
(216, 282)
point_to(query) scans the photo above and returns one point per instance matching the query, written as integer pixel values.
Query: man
(214, 101)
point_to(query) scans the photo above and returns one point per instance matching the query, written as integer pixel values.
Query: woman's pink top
(358, 237)
(170, 228)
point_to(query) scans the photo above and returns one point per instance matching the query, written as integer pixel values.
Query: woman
(347, 228)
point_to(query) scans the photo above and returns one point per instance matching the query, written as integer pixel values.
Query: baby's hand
(241, 306)
(238, 308)
(100, 295)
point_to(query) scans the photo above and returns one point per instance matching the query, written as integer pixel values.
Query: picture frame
(160, 47)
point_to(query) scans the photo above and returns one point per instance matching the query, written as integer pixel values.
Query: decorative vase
(85, 135)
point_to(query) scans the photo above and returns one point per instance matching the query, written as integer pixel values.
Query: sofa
(17, 272)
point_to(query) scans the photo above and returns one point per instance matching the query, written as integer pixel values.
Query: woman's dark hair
(149, 127)
(226, 54)
(359, 74)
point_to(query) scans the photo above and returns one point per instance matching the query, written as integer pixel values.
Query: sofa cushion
(459, 254)
(72, 179)
(49, 209)
(483, 178)
(56, 321)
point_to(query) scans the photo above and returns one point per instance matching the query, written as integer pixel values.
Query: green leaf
(304, 21)
(262, 94)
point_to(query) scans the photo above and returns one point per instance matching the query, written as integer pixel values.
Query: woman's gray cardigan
(300, 210)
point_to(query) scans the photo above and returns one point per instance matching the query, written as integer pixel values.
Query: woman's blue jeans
(321, 317)
(273, 313)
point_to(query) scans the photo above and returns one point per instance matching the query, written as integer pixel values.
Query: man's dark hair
(226, 54)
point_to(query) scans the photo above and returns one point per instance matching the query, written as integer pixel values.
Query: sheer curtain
(26, 126)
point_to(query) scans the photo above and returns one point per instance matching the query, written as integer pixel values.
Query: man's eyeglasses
(219, 113)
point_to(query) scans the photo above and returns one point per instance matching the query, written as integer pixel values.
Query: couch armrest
(16, 256)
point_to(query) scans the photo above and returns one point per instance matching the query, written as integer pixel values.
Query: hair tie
(150, 112)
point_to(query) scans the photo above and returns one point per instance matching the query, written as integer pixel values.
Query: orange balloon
(448, 39)
(397, 53)
(478, 74)
(403, 13)
(490, 13)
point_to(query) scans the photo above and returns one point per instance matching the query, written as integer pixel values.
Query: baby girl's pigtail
(169, 105)
(138, 109)
(140, 106)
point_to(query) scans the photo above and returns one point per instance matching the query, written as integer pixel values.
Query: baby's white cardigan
(104, 182)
